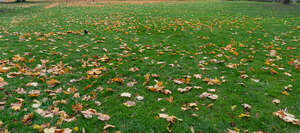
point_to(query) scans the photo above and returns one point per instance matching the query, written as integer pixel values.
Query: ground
(149, 66)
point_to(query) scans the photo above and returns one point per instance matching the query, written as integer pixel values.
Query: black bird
(86, 32)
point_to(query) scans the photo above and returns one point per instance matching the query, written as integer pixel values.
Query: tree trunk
(286, 2)
(23, 0)
(19, 1)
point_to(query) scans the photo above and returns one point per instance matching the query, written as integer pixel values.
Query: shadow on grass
(27, 2)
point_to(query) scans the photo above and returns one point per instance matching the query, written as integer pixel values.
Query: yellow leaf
(244, 115)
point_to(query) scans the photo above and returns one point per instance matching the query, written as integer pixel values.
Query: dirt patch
(99, 3)
(52, 5)
(83, 4)
(132, 2)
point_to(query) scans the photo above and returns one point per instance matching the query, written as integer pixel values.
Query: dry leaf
(27, 119)
(214, 81)
(89, 113)
(126, 94)
(242, 115)
(129, 103)
(16, 106)
(34, 93)
(52, 83)
(231, 131)
(246, 106)
(4, 69)
(108, 126)
(186, 89)
(282, 114)
(171, 119)
(276, 101)
(103, 117)
(55, 130)
(2, 82)
(34, 84)
(179, 81)
(140, 98)
(77, 107)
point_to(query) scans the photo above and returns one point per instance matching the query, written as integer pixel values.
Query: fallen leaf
(242, 115)
(2, 82)
(103, 117)
(77, 107)
(34, 93)
(108, 126)
(282, 114)
(34, 84)
(27, 119)
(4, 69)
(231, 131)
(89, 113)
(126, 94)
(52, 83)
(140, 98)
(246, 106)
(171, 119)
(55, 130)
(129, 103)
(186, 89)
(276, 101)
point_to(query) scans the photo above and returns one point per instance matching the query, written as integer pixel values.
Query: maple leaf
(147, 78)
(35, 84)
(179, 81)
(186, 89)
(231, 131)
(134, 69)
(284, 115)
(2, 82)
(108, 126)
(89, 113)
(77, 107)
(140, 98)
(171, 119)
(126, 94)
(27, 119)
(129, 103)
(52, 83)
(16, 106)
(214, 81)
(244, 115)
(118, 80)
(13, 74)
(4, 69)
(55, 130)
(34, 93)
(276, 101)
(103, 117)
(246, 106)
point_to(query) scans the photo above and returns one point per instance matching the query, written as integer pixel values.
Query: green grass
(168, 32)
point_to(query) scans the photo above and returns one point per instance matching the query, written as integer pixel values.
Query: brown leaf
(171, 119)
(108, 126)
(103, 117)
(34, 93)
(4, 69)
(77, 107)
(27, 119)
(52, 83)
(129, 103)
(282, 114)
(2, 82)
(186, 89)
(147, 78)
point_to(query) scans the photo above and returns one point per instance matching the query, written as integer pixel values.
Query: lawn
(134, 67)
